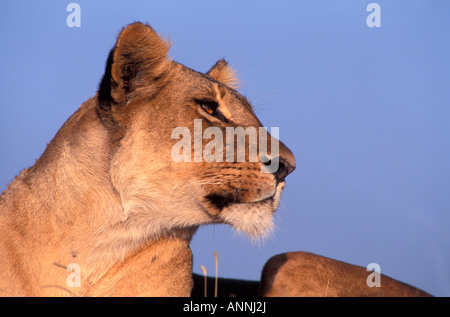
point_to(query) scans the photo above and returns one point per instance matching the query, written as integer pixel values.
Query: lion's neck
(69, 189)
(71, 177)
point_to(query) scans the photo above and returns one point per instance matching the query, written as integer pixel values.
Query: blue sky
(366, 112)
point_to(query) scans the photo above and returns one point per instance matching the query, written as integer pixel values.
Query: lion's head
(169, 122)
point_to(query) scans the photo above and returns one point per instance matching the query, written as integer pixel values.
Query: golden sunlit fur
(107, 196)
(304, 274)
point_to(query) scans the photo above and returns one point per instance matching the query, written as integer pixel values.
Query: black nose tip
(283, 170)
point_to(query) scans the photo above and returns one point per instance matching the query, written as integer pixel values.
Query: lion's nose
(284, 169)
(284, 163)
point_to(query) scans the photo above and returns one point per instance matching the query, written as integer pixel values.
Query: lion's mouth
(220, 202)
(253, 217)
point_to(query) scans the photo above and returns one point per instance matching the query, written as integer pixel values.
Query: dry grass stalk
(205, 275)
(217, 276)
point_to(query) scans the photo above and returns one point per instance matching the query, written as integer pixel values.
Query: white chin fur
(253, 219)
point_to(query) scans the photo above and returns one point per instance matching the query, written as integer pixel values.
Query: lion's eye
(208, 109)
(209, 106)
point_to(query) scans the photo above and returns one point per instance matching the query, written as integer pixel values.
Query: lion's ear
(138, 58)
(223, 73)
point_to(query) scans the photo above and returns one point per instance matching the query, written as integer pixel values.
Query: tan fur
(107, 196)
(303, 274)
(224, 74)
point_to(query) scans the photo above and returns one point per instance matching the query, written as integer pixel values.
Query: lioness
(107, 200)
(304, 274)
